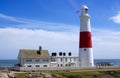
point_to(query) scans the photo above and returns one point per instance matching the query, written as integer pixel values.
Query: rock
(11, 75)
(3, 75)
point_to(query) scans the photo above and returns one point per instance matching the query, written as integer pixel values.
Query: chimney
(54, 54)
(40, 50)
(69, 54)
(60, 53)
(64, 54)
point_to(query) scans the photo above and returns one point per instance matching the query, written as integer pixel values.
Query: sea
(7, 63)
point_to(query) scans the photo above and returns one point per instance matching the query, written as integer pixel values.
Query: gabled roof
(33, 54)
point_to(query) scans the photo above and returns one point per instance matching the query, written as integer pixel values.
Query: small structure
(103, 64)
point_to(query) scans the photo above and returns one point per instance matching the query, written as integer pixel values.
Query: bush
(74, 76)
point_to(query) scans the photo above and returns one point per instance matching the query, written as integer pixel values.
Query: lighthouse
(85, 39)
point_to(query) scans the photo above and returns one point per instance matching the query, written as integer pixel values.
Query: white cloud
(116, 18)
(13, 39)
(105, 42)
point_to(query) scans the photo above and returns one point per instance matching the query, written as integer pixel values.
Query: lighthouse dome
(84, 7)
(84, 10)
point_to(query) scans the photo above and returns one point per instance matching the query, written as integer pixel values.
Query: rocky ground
(3, 75)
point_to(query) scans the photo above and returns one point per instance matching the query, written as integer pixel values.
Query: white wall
(33, 62)
(62, 62)
(70, 62)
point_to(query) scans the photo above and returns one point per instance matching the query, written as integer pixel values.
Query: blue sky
(54, 24)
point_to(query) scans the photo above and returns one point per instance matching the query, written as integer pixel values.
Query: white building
(34, 58)
(42, 59)
(63, 61)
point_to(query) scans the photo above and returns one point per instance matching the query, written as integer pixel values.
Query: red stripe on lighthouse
(85, 40)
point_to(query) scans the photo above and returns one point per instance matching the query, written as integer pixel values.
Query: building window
(44, 65)
(37, 60)
(69, 65)
(70, 59)
(45, 60)
(37, 65)
(66, 65)
(53, 60)
(61, 65)
(66, 59)
(61, 59)
(28, 60)
(29, 66)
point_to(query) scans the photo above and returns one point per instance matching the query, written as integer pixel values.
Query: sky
(55, 25)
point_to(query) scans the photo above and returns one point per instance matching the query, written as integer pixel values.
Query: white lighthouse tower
(85, 39)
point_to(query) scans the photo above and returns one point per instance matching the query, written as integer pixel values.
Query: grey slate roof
(34, 54)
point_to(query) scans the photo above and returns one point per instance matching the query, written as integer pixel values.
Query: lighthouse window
(86, 10)
(84, 49)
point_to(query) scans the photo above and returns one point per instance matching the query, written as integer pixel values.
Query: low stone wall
(49, 68)
(53, 68)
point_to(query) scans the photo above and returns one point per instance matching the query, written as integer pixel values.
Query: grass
(87, 73)
(20, 75)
